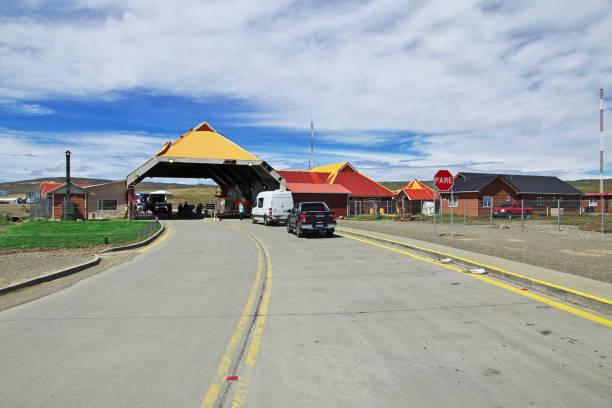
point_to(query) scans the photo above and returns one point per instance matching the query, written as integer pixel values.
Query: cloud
(510, 85)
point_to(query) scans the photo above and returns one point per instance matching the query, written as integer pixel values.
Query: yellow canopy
(333, 168)
(205, 143)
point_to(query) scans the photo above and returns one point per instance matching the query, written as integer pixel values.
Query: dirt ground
(19, 265)
(582, 253)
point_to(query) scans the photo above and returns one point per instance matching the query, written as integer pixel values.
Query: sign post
(444, 181)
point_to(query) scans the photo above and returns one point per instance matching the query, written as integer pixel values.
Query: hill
(26, 186)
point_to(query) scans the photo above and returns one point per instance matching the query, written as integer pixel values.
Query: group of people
(186, 211)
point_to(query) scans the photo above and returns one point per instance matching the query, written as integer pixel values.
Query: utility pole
(67, 207)
(601, 167)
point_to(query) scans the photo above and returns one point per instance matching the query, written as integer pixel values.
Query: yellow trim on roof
(205, 145)
(332, 168)
(416, 185)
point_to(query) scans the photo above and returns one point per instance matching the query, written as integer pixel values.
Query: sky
(399, 89)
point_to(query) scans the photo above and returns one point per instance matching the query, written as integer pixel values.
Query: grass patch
(586, 222)
(74, 234)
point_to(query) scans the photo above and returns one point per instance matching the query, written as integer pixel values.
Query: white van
(272, 207)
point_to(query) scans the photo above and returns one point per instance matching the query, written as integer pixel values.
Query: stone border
(52, 276)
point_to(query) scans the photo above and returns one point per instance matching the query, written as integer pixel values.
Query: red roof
(46, 187)
(420, 194)
(297, 176)
(317, 188)
(360, 185)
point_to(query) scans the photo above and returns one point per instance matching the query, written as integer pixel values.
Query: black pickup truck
(311, 216)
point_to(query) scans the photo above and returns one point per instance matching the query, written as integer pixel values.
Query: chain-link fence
(17, 240)
(575, 214)
(40, 208)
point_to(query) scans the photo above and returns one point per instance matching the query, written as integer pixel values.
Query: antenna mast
(311, 161)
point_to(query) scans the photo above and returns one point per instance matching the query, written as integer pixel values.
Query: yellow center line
(226, 360)
(539, 298)
(159, 241)
(253, 350)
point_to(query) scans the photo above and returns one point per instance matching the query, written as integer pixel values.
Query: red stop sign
(444, 180)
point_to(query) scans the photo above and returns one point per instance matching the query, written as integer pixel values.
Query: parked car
(311, 216)
(510, 210)
(272, 207)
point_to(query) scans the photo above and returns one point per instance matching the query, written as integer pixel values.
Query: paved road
(346, 324)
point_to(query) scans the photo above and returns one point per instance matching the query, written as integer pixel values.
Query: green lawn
(73, 234)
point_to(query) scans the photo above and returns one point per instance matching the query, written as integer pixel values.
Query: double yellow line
(255, 337)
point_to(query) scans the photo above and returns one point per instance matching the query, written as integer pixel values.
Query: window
(454, 202)
(260, 202)
(107, 205)
(487, 201)
(540, 201)
(592, 202)
(508, 199)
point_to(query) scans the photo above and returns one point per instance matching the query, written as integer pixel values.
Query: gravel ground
(582, 253)
(19, 265)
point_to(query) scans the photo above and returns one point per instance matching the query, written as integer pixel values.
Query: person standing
(241, 210)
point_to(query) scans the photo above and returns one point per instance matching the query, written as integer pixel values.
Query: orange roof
(343, 174)
(415, 190)
(298, 176)
(360, 185)
(46, 187)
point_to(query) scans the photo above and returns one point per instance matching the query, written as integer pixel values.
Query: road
(312, 322)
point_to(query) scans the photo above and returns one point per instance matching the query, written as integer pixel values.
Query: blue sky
(398, 88)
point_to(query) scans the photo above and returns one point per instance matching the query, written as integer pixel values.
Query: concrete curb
(565, 294)
(137, 244)
(52, 276)
(78, 268)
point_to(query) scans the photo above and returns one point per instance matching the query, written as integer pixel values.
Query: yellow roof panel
(331, 168)
(205, 145)
(416, 185)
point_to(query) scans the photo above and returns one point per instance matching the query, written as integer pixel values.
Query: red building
(57, 193)
(476, 193)
(593, 201)
(365, 195)
(411, 198)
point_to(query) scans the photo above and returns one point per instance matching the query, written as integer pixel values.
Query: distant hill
(26, 186)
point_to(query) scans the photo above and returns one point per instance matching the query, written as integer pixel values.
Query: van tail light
(270, 211)
(303, 217)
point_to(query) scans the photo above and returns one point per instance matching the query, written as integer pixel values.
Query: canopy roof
(51, 188)
(205, 143)
(204, 153)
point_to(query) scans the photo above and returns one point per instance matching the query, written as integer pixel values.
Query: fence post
(435, 210)
(558, 214)
(421, 211)
(452, 203)
(464, 211)
(522, 214)
(491, 213)
(603, 210)
(441, 209)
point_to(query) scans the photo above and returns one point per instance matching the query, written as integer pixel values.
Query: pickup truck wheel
(298, 232)
(253, 220)
(330, 232)
(528, 214)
